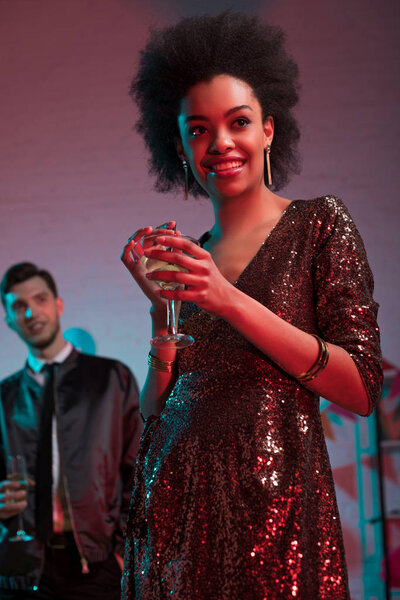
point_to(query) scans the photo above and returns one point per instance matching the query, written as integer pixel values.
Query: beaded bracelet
(166, 366)
(319, 364)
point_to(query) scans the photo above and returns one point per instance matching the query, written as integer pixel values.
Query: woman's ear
(179, 149)
(268, 131)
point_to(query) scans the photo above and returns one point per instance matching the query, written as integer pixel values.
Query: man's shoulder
(11, 380)
(103, 364)
(101, 369)
(101, 361)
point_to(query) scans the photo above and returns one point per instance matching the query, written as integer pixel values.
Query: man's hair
(21, 272)
(197, 49)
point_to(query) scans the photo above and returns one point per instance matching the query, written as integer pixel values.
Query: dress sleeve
(346, 310)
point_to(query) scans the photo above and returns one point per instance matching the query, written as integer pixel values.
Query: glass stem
(171, 323)
(20, 523)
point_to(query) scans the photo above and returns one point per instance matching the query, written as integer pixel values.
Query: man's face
(33, 312)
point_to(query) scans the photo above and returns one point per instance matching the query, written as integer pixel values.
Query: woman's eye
(196, 131)
(241, 122)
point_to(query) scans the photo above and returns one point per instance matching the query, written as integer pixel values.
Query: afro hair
(197, 49)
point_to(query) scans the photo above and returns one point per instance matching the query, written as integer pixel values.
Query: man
(77, 424)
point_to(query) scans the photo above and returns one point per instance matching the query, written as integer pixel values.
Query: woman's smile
(225, 167)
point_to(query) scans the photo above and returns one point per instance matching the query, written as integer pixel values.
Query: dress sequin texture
(234, 497)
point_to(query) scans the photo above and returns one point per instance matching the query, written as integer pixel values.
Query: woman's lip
(229, 171)
(222, 160)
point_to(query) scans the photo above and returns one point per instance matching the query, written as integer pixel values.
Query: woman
(234, 497)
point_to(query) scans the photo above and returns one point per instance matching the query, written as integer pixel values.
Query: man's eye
(196, 131)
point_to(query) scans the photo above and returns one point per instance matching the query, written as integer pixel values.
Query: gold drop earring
(267, 153)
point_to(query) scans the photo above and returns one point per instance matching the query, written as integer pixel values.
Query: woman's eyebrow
(236, 108)
(228, 112)
(195, 118)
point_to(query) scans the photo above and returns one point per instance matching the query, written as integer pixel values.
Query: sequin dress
(234, 497)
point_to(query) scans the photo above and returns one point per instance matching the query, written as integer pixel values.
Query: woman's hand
(138, 270)
(205, 285)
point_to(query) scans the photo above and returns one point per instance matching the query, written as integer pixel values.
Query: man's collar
(36, 364)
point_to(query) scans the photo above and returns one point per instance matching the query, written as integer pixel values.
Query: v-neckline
(206, 236)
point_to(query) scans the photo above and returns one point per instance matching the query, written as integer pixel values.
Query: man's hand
(13, 498)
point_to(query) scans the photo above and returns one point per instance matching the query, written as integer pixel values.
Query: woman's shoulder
(324, 217)
(325, 213)
(328, 205)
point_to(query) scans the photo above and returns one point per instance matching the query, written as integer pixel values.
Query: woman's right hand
(138, 270)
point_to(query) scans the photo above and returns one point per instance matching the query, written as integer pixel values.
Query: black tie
(44, 496)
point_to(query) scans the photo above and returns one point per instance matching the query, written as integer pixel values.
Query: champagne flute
(16, 471)
(172, 339)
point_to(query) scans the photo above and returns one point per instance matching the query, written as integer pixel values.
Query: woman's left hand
(204, 284)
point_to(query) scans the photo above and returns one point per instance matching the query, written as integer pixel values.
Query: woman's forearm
(157, 387)
(158, 384)
(295, 351)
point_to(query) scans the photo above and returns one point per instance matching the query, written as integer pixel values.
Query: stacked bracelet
(160, 365)
(319, 364)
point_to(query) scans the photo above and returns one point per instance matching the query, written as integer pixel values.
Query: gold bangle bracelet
(320, 363)
(166, 366)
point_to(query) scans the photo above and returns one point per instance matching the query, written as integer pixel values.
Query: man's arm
(132, 427)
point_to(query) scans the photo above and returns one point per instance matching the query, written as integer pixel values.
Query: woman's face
(223, 136)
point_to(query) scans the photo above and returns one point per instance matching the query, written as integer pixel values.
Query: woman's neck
(237, 216)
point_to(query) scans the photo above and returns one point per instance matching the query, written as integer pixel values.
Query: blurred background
(73, 172)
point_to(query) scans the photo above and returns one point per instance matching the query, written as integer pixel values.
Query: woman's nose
(221, 143)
